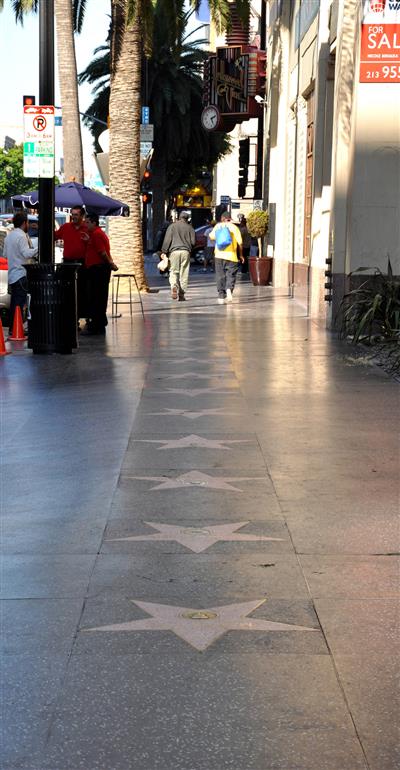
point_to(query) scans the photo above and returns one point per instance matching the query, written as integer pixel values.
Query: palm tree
(69, 13)
(131, 34)
(128, 28)
(174, 91)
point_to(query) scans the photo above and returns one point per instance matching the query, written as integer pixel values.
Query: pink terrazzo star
(190, 415)
(198, 539)
(199, 480)
(193, 441)
(197, 627)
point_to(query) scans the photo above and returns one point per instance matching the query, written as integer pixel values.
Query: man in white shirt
(17, 250)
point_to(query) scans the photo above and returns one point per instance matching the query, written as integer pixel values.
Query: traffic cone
(3, 351)
(18, 327)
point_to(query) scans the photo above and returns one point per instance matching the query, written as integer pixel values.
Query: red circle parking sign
(39, 123)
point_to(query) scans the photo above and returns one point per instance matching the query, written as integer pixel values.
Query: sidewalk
(200, 545)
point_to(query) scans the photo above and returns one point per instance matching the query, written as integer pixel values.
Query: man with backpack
(228, 241)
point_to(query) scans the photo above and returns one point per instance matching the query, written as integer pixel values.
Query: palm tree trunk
(72, 139)
(125, 106)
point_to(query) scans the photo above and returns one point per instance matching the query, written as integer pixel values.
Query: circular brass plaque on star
(194, 531)
(199, 615)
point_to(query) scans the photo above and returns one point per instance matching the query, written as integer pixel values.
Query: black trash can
(52, 325)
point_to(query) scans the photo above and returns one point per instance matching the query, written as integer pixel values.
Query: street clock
(210, 118)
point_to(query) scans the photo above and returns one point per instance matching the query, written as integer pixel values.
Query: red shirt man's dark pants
(98, 278)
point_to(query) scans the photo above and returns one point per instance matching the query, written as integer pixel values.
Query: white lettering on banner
(380, 42)
(384, 41)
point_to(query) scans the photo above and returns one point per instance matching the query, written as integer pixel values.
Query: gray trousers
(179, 261)
(225, 273)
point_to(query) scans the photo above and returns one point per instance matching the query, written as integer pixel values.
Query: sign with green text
(39, 141)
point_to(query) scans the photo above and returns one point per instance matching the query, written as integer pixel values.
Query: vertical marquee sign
(380, 42)
(232, 77)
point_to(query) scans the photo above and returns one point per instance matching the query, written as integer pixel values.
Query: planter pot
(260, 270)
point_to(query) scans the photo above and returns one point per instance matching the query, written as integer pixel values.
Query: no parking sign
(39, 141)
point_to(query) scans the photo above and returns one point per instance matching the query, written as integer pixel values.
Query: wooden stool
(115, 301)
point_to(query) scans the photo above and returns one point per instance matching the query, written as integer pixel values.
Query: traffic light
(146, 181)
(244, 158)
(28, 101)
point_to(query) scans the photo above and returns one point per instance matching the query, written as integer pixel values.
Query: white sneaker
(221, 301)
(229, 295)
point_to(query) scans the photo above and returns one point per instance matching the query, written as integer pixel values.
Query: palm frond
(78, 14)
(22, 7)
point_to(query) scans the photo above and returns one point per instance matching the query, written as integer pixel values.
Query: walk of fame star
(198, 539)
(198, 479)
(190, 415)
(200, 627)
(194, 376)
(188, 359)
(192, 392)
(193, 441)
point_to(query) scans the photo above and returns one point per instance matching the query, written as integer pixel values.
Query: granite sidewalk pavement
(199, 545)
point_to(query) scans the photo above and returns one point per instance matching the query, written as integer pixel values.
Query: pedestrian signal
(28, 101)
(147, 197)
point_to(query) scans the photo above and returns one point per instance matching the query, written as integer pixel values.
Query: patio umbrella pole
(46, 97)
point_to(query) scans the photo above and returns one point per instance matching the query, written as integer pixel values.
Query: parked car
(200, 244)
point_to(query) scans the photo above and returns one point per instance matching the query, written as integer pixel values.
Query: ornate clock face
(210, 117)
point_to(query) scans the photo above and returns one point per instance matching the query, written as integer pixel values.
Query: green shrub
(257, 223)
(371, 312)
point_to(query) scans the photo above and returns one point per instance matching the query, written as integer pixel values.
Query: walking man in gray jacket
(178, 244)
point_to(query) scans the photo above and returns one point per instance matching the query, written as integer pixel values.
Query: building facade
(332, 145)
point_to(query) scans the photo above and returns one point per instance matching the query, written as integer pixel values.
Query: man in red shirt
(99, 265)
(75, 236)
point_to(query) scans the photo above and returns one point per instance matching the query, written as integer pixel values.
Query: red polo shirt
(97, 243)
(74, 245)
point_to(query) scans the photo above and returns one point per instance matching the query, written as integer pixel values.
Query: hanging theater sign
(233, 76)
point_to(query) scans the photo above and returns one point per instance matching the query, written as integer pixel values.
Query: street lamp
(52, 327)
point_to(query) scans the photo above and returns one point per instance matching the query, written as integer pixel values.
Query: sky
(19, 46)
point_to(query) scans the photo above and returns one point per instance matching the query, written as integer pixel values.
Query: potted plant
(260, 266)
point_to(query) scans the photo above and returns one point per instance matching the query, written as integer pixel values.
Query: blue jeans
(18, 291)
(225, 273)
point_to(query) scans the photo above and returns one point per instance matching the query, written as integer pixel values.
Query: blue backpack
(223, 237)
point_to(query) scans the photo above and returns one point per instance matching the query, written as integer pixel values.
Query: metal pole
(46, 97)
(258, 187)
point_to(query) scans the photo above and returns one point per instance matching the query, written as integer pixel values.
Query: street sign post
(146, 132)
(145, 148)
(39, 141)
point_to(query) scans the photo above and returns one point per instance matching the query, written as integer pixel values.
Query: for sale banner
(380, 42)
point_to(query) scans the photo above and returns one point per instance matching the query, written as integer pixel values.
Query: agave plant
(371, 312)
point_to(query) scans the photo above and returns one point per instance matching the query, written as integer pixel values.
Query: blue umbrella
(72, 194)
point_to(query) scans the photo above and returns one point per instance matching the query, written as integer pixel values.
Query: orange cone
(18, 326)
(3, 351)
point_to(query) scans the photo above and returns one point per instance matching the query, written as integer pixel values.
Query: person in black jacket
(178, 244)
